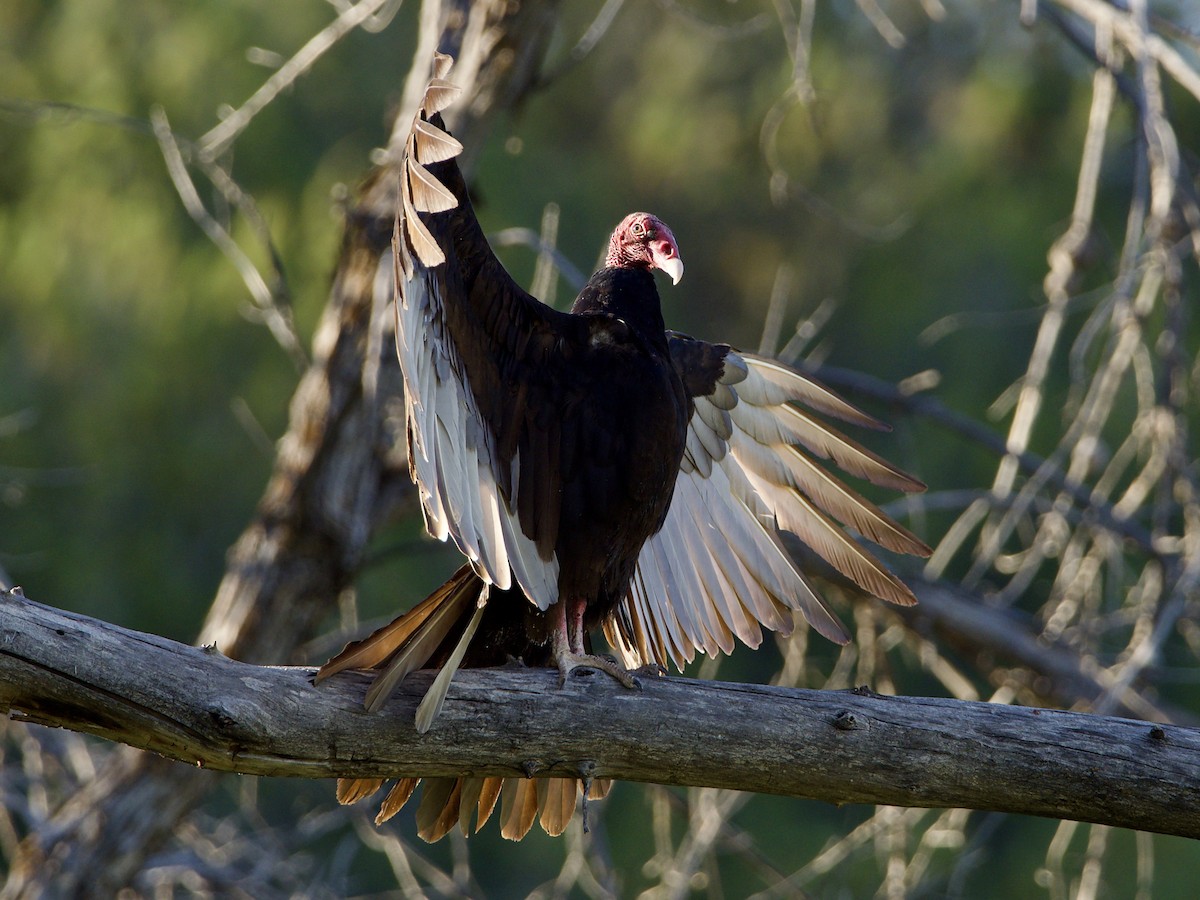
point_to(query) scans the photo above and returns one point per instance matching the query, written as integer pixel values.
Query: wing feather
(795, 513)
(671, 630)
(771, 383)
(433, 144)
(731, 618)
(717, 569)
(784, 465)
(439, 94)
(740, 574)
(785, 423)
(719, 423)
(464, 331)
(694, 594)
(441, 65)
(653, 630)
(426, 192)
(723, 396)
(419, 237)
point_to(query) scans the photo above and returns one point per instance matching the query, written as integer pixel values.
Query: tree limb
(1057, 671)
(196, 705)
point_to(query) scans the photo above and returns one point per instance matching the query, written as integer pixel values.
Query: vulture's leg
(568, 646)
(574, 623)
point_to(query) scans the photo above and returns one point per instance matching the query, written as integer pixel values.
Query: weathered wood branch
(198, 706)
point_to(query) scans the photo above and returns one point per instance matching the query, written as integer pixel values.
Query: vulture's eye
(638, 229)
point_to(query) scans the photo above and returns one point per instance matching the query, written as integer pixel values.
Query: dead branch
(198, 706)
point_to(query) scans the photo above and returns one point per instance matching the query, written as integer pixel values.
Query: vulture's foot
(569, 662)
(567, 642)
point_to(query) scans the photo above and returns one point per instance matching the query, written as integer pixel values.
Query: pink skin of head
(642, 241)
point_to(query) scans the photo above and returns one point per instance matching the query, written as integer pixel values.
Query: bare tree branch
(1058, 673)
(218, 140)
(928, 407)
(276, 315)
(196, 705)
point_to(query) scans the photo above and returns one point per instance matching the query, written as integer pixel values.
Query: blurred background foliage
(918, 190)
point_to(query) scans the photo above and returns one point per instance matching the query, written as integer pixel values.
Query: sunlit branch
(195, 705)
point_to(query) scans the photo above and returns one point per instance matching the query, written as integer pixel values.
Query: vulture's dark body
(596, 412)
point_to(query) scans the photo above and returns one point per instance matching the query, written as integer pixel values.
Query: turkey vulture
(597, 471)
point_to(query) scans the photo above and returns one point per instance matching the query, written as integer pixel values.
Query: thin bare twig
(275, 315)
(219, 139)
(527, 237)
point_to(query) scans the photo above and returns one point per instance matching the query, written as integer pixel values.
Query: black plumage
(597, 471)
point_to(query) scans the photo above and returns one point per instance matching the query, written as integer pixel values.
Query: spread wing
(717, 570)
(487, 397)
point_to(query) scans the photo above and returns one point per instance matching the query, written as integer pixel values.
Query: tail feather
(409, 643)
(468, 803)
(431, 704)
(488, 795)
(447, 802)
(599, 788)
(396, 798)
(460, 590)
(556, 800)
(438, 812)
(518, 808)
(351, 790)
(375, 649)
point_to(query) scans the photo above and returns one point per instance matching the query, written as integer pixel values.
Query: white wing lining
(451, 450)
(717, 570)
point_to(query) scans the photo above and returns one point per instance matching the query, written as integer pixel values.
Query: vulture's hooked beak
(666, 257)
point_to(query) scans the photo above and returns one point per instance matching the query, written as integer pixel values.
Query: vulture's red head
(642, 241)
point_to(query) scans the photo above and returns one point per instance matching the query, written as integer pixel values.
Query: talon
(568, 642)
(569, 662)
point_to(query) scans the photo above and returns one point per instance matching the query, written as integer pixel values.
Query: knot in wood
(231, 722)
(1158, 733)
(847, 721)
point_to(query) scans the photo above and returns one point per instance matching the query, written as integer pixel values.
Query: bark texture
(198, 706)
